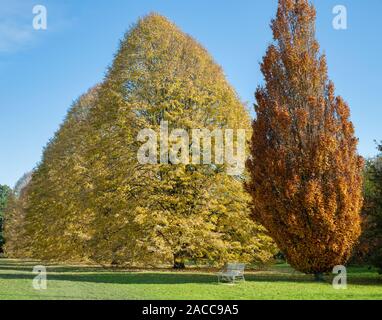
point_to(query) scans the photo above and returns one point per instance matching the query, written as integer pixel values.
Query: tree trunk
(319, 277)
(178, 262)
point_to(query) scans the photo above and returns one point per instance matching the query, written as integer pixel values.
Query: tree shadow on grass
(28, 265)
(352, 279)
(121, 278)
(176, 278)
(13, 269)
(54, 269)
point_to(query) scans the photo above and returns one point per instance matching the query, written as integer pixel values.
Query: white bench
(232, 272)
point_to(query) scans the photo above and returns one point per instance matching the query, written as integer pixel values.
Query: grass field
(277, 282)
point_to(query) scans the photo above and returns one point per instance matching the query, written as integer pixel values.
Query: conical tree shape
(161, 74)
(90, 198)
(14, 226)
(15, 234)
(56, 213)
(305, 172)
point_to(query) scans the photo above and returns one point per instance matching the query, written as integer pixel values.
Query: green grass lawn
(277, 282)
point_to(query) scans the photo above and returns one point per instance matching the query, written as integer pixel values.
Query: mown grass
(81, 282)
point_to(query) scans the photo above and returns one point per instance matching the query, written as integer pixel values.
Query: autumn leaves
(306, 176)
(91, 200)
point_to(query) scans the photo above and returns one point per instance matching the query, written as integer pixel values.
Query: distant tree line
(369, 248)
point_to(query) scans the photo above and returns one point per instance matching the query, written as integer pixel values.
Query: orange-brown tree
(306, 176)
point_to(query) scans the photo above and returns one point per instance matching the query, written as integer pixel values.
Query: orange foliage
(306, 181)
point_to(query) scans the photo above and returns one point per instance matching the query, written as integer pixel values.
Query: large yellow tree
(91, 199)
(161, 74)
(306, 176)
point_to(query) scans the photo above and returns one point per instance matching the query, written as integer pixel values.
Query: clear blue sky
(42, 72)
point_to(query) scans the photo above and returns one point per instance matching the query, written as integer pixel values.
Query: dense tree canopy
(56, 210)
(306, 175)
(4, 194)
(14, 218)
(369, 249)
(91, 199)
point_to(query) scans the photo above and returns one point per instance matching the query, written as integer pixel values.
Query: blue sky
(43, 71)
